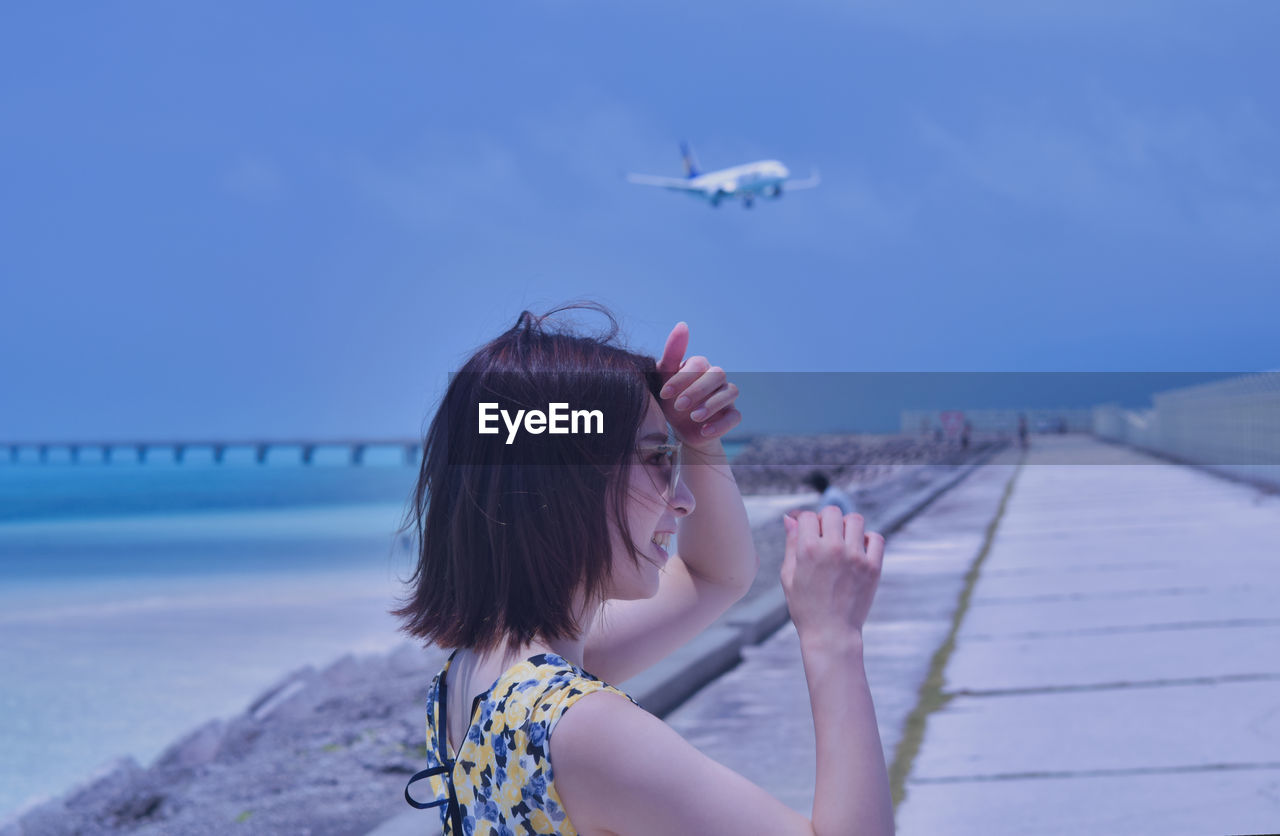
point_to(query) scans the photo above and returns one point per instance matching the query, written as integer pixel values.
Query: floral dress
(500, 783)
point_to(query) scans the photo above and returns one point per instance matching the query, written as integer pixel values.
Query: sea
(140, 600)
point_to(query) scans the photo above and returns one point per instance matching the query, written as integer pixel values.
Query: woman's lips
(658, 540)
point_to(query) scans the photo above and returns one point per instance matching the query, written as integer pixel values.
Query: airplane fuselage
(761, 178)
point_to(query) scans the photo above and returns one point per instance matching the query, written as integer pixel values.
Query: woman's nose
(683, 503)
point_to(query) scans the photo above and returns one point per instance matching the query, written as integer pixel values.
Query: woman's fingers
(832, 525)
(703, 388)
(674, 349)
(854, 529)
(830, 571)
(684, 377)
(698, 389)
(697, 381)
(723, 424)
(875, 550)
(792, 527)
(720, 399)
(807, 530)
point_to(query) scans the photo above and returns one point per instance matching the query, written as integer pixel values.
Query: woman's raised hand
(830, 573)
(696, 399)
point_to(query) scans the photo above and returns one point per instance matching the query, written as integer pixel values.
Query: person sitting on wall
(831, 494)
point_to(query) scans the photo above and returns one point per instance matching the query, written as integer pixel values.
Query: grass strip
(931, 696)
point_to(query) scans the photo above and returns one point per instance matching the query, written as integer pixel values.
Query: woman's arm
(715, 540)
(620, 770)
(852, 781)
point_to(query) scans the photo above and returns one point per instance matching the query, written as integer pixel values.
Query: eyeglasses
(665, 459)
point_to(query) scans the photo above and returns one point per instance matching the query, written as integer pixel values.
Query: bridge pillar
(44, 453)
(219, 450)
(357, 454)
(142, 454)
(308, 450)
(261, 454)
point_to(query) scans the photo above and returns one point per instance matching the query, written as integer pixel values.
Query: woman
(542, 561)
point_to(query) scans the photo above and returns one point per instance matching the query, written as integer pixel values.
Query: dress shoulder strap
(445, 769)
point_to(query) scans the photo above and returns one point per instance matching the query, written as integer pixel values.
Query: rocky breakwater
(779, 464)
(320, 752)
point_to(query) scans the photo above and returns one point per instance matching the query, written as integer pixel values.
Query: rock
(197, 748)
(10, 827)
(113, 780)
(48, 819)
(284, 690)
(141, 805)
(86, 809)
(345, 671)
(779, 464)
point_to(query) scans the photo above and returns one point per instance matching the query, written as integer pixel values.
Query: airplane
(764, 178)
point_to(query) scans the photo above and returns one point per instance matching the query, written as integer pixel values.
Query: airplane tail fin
(691, 168)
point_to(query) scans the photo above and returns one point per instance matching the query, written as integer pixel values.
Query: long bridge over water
(354, 449)
(105, 451)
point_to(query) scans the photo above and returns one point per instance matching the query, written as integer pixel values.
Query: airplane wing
(678, 184)
(793, 185)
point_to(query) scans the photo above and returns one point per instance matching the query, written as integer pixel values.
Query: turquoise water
(136, 602)
(139, 601)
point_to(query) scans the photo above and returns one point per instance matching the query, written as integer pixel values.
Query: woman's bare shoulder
(619, 769)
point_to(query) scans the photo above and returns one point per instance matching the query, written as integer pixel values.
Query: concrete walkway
(1117, 668)
(1098, 653)
(756, 718)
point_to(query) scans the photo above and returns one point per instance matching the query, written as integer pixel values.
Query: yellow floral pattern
(502, 775)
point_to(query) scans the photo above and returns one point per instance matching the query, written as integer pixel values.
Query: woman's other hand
(830, 573)
(696, 398)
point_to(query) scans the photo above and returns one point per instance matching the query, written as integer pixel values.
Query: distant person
(1022, 431)
(831, 494)
(965, 434)
(540, 559)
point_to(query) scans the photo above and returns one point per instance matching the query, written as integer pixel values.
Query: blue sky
(238, 220)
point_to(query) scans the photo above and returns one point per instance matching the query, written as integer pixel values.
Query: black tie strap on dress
(455, 814)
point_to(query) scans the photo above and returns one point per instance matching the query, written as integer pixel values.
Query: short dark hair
(507, 533)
